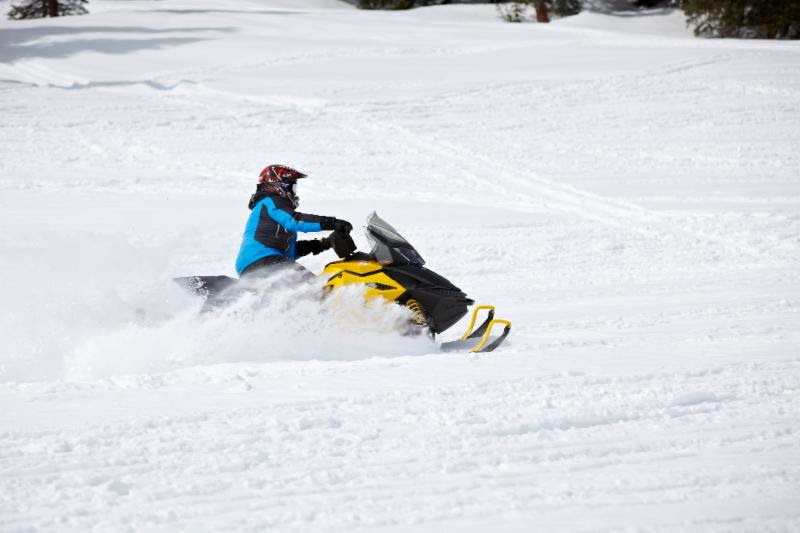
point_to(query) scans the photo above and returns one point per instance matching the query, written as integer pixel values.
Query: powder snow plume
(89, 317)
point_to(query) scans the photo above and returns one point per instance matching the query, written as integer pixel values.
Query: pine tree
(30, 9)
(385, 4)
(395, 4)
(761, 19)
(516, 11)
(513, 12)
(565, 8)
(541, 11)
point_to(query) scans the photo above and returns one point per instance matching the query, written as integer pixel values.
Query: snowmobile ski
(485, 343)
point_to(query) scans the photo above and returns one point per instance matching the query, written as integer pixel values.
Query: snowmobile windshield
(388, 246)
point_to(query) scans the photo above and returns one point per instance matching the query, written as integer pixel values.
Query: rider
(270, 236)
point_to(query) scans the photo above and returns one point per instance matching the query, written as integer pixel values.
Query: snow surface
(626, 194)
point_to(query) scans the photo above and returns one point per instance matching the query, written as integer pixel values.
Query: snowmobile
(393, 270)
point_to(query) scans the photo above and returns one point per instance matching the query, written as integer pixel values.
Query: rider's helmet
(280, 180)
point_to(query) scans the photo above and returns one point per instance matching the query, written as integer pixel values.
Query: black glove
(327, 223)
(337, 224)
(315, 247)
(342, 226)
(342, 243)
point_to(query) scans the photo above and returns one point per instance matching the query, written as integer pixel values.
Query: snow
(627, 195)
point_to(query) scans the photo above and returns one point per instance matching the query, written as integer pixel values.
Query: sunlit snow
(626, 194)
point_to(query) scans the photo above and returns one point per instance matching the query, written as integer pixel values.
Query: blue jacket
(272, 230)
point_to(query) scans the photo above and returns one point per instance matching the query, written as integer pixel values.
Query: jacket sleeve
(284, 214)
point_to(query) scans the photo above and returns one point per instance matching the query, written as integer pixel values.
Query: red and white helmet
(280, 180)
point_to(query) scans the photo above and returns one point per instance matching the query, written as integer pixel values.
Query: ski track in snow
(535, 193)
(630, 201)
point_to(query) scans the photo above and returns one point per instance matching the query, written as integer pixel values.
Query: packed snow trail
(626, 194)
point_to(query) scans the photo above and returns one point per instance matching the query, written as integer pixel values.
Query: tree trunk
(52, 8)
(541, 11)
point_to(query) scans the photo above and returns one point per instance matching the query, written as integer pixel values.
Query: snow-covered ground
(627, 195)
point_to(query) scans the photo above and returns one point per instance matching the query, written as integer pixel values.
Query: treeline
(760, 19)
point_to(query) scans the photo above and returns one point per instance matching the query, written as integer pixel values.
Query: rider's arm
(294, 221)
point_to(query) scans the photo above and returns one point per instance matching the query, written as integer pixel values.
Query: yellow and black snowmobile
(394, 271)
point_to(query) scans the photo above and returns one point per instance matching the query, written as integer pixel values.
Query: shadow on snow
(19, 43)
